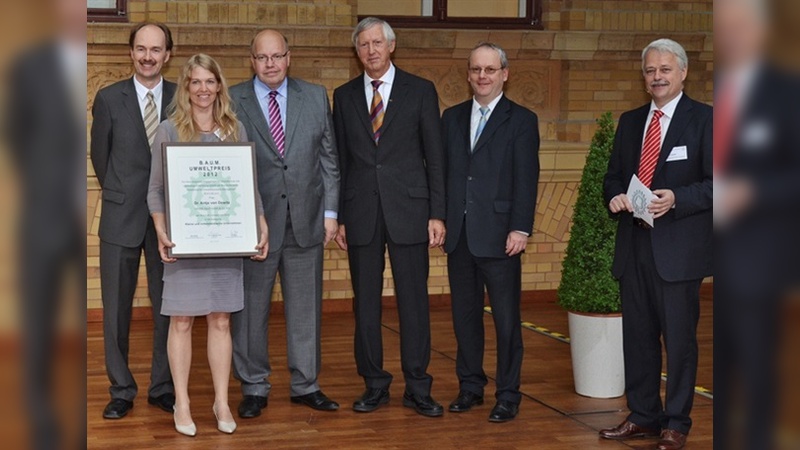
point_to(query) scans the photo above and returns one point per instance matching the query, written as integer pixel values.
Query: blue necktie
(481, 124)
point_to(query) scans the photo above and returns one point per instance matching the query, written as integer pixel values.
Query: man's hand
(436, 233)
(341, 238)
(331, 229)
(662, 204)
(515, 243)
(620, 203)
(733, 197)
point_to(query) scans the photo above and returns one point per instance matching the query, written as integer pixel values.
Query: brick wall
(584, 62)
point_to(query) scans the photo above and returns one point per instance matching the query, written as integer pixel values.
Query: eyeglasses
(486, 70)
(274, 58)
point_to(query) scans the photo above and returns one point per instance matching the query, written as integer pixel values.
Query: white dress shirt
(669, 112)
(385, 88)
(476, 115)
(141, 94)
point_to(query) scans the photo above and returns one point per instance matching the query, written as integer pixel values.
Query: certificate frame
(210, 191)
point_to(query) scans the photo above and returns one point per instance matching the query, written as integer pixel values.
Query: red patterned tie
(651, 149)
(275, 123)
(724, 125)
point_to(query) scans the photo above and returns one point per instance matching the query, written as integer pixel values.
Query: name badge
(756, 135)
(678, 154)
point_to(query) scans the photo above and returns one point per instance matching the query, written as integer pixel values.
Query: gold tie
(376, 111)
(150, 117)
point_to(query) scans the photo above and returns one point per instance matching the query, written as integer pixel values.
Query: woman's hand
(164, 243)
(263, 243)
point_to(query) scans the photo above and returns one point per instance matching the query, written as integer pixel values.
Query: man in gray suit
(120, 152)
(298, 178)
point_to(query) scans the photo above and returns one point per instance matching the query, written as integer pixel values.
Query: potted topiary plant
(588, 291)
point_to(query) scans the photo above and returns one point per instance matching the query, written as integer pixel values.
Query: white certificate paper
(640, 196)
(211, 201)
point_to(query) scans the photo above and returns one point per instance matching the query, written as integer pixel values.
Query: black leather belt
(641, 223)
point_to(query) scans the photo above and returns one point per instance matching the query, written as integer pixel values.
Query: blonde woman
(211, 287)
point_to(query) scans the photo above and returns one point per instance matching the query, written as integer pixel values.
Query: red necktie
(724, 123)
(651, 149)
(275, 123)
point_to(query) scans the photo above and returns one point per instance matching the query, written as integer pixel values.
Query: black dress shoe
(371, 399)
(316, 400)
(465, 401)
(117, 408)
(164, 401)
(251, 406)
(503, 411)
(423, 404)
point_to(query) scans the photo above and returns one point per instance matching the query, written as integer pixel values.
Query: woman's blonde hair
(180, 109)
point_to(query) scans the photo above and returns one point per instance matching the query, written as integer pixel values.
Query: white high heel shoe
(188, 430)
(225, 427)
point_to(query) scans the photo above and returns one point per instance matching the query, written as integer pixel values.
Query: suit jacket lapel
(636, 146)
(463, 119)
(499, 115)
(677, 126)
(359, 99)
(294, 104)
(131, 102)
(251, 108)
(396, 99)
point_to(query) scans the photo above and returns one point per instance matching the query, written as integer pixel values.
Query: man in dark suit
(44, 118)
(756, 217)
(492, 148)
(391, 160)
(120, 152)
(668, 145)
(298, 177)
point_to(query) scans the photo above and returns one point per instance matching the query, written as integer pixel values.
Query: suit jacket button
(283, 195)
(374, 192)
(378, 167)
(469, 178)
(285, 167)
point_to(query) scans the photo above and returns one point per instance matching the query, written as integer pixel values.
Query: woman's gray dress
(195, 286)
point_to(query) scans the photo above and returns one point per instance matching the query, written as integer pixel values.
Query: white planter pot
(597, 359)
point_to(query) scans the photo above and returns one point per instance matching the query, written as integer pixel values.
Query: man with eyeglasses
(389, 138)
(298, 178)
(492, 148)
(667, 143)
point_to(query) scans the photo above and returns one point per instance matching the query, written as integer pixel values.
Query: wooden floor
(551, 415)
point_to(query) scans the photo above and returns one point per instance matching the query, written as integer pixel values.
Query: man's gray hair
(369, 22)
(667, 46)
(495, 47)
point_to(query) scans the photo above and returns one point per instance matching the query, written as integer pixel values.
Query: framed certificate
(210, 190)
